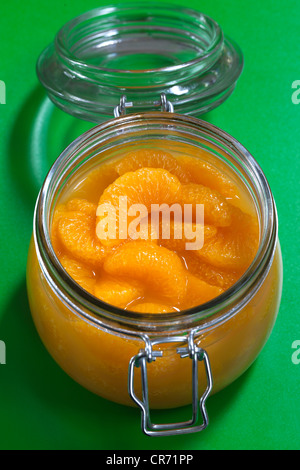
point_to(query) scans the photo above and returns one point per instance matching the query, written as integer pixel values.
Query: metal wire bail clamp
(148, 355)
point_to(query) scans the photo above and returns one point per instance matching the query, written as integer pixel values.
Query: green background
(40, 406)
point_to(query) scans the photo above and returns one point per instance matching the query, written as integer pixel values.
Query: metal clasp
(148, 355)
(166, 106)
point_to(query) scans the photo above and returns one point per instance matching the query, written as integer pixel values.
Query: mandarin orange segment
(159, 269)
(81, 205)
(202, 172)
(233, 248)
(179, 236)
(142, 187)
(217, 211)
(60, 211)
(84, 276)
(76, 231)
(224, 252)
(118, 292)
(146, 158)
(92, 185)
(199, 292)
(151, 307)
(208, 273)
(144, 230)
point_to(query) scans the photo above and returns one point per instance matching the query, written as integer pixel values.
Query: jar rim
(97, 14)
(205, 316)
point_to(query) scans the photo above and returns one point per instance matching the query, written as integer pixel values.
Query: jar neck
(90, 146)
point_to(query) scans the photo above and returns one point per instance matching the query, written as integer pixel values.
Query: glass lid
(139, 51)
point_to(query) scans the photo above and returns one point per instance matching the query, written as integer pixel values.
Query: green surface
(40, 406)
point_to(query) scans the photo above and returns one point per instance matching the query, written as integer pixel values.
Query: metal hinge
(120, 109)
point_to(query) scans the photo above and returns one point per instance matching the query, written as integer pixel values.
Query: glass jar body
(98, 359)
(94, 342)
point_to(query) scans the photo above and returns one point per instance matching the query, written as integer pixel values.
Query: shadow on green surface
(25, 172)
(42, 408)
(40, 133)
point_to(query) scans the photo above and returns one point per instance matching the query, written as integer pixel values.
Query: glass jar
(155, 361)
(140, 51)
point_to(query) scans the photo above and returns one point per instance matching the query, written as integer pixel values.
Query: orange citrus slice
(117, 292)
(60, 211)
(141, 189)
(92, 184)
(181, 236)
(158, 268)
(81, 205)
(199, 292)
(217, 211)
(76, 231)
(79, 272)
(151, 307)
(204, 173)
(210, 274)
(234, 247)
(146, 158)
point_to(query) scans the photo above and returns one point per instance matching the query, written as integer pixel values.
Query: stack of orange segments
(155, 274)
